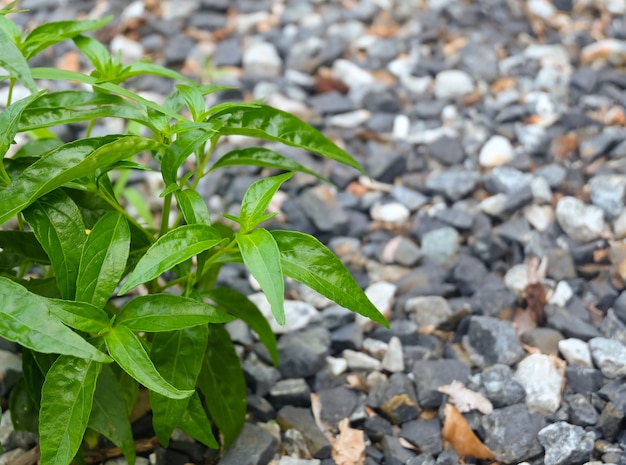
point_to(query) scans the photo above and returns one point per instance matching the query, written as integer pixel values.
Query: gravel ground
(492, 232)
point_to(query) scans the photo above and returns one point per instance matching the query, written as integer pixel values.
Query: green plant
(68, 242)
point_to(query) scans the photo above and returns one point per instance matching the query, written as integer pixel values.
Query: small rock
(453, 83)
(453, 183)
(301, 419)
(581, 411)
(566, 444)
(561, 295)
(381, 294)
(253, 446)
(490, 341)
(542, 383)
(576, 352)
(581, 222)
(583, 380)
(129, 49)
(428, 311)
(544, 339)
(609, 355)
(393, 213)
(540, 217)
(351, 119)
(610, 420)
(511, 433)
(287, 460)
(496, 151)
(394, 453)
(337, 403)
(298, 314)
(393, 361)
(321, 206)
(610, 50)
(303, 353)
(294, 392)
(408, 197)
(608, 193)
(423, 434)
(500, 387)
(613, 328)
(398, 402)
(262, 59)
(336, 366)
(429, 375)
(447, 150)
(401, 250)
(360, 361)
(441, 245)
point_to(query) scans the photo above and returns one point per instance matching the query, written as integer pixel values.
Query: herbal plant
(70, 249)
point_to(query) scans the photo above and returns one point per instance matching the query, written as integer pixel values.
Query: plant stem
(165, 215)
(90, 127)
(10, 96)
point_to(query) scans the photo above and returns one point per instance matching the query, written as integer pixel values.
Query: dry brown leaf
(316, 410)
(457, 432)
(523, 321)
(349, 445)
(465, 399)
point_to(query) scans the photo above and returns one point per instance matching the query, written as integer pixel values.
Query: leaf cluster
(104, 303)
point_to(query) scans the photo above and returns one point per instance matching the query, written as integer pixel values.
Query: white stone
(611, 50)
(350, 73)
(619, 225)
(336, 365)
(288, 460)
(416, 85)
(393, 361)
(496, 151)
(493, 205)
(561, 295)
(262, 59)
(428, 311)
(580, 221)
(401, 127)
(130, 51)
(575, 352)
(453, 83)
(516, 278)
(360, 361)
(539, 216)
(297, 314)
(381, 294)
(609, 355)
(135, 9)
(375, 347)
(542, 383)
(392, 212)
(349, 120)
(541, 8)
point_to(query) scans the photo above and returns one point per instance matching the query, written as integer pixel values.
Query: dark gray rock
(394, 453)
(422, 459)
(177, 49)
(303, 353)
(331, 103)
(506, 179)
(560, 265)
(431, 374)
(377, 427)
(384, 162)
(619, 307)
(337, 403)
(260, 408)
(490, 341)
(253, 446)
(321, 206)
(511, 433)
(610, 421)
(291, 392)
(599, 145)
(489, 247)
(453, 183)
(613, 328)
(448, 457)
(399, 401)
(228, 52)
(349, 336)
(583, 380)
(260, 378)
(456, 218)
(615, 391)
(410, 198)
(301, 419)
(500, 387)
(569, 325)
(384, 101)
(566, 444)
(581, 411)
(424, 434)
(469, 274)
(447, 150)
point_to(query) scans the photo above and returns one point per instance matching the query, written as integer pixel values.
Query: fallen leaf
(316, 410)
(457, 432)
(349, 445)
(465, 399)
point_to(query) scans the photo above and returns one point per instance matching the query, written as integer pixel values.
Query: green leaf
(128, 351)
(80, 315)
(95, 51)
(269, 123)
(193, 207)
(24, 411)
(51, 33)
(193, 99)
(266, 158)
(26, 319)
(261, 256)
(308, 261)
(223, 385)
(103, 259)
(183, 368)
(13, 61)
(64, 75)
(37, 148)
(134, 198)
(59, 228)
(66, 399)
(23, 244)
(70, 161)
(178, 151)
(195, 423)
(140, 68)
(9, 120)
(239, 305)
(257, 198)
(109, 415)
(167, 312)
(169, 250)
